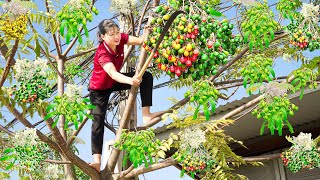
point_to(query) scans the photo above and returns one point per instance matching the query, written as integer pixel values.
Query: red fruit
(196, 32)
(34, 96)
(172, 69)
(170, 58)
(40, 86)
(183, 69)
(32, 99)
(159, 66)
(196, 27)
(188, 35)
(210, 44)
(183, 60)
(144, 45)
(204, 19)
(196, 52)
(178, 72)
(156, 55)
(193, 36)
(194, 58)
(10, 94)
(188, 63)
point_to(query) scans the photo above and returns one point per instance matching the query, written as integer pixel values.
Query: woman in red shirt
(106, 78)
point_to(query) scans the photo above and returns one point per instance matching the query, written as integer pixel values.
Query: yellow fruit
(189, 47)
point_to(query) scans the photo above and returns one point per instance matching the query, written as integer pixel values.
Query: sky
(160, 98)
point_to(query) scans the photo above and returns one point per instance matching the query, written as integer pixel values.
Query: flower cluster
(246, 2)
(273, 89)
(76, 3)
(121, 6)
(286, 57)
(52, 172)
(310, 12)
(27, 69)
(302, 154)
(15, 7)
(27, 137)
(74, 92)
(192, 138)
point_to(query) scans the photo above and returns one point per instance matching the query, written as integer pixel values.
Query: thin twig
(125, 172)
(141, 16)
(57, 162)
(75, 134)
(81, 53)
(9, 62)
(6, 130)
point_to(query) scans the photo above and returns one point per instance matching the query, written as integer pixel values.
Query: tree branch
(9, 62)
(57, 162)
(122, 174)
(140, 170)
(10, 133)
(262, 157)
(81, 53)
(141, 16)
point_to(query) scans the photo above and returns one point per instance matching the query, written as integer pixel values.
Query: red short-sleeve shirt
(100, 80)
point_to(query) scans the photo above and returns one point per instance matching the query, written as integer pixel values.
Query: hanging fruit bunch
(258, 26)
(140, 146)
(74, 15)
(288, 8)
(29, 152)
(13, 21)
(257, 70)
(304, 29)
(31, 85)
(203, 93)
(71, 105)
(196, 44)
(275, 113)
(304, 77)
(303, 154)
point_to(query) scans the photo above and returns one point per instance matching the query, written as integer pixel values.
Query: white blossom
(310, 12)
(15, 7)
(52, 172)
(26, 137)
(273, 89)
(192, 138)
(76, 3)
(27, 69)
(121, 6)
(246, 2)
(74, 92)
(302, 142)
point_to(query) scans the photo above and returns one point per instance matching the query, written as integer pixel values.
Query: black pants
(100, 99)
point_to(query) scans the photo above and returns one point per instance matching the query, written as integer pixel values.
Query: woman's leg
(146, 88)
(100, 100)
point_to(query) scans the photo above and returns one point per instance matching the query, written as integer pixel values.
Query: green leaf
(8, 150)
(37, 48)
(88, 115)
(62, 26)
(272, 72)
(9, 166)
(279, 126)
(4, 158)
(68, 37)
(215, 13)
(266, 40)
(195, 114)
(50, 107)
(86, 32)
(54, 124)
(284, 113)
(182, 173)
(271, 34)
(124, 160)
(294, 82)
(192, 174)
(245, 80)
(50, 115)
(262, 127)
(90, 106)
(206, 111)
(213, 105)
(246, 37)
(81, 116)
(76, 124)
(251, 45)
(301, 93)
(86, 100)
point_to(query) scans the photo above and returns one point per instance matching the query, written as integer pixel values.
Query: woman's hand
(135, 81)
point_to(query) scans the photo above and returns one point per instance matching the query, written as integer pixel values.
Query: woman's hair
(105, 26)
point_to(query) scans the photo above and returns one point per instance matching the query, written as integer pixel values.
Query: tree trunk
(68, 168)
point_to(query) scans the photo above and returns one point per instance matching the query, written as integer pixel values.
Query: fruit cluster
(297, 160)
(259, 26)
(288, 7)
(258, 70)
(195, 45)
(31, 157)
(73, 111)
(31, 90)
(304, 76)
(275, 113)
(202, 94)
(138, 145)
(14, 28)
(75, 15)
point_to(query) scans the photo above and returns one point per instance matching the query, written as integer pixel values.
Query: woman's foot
(147, 117)
(95, 166)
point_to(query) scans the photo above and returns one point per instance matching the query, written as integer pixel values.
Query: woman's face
(112, 38)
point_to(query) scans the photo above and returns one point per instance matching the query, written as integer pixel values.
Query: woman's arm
(115, 75)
